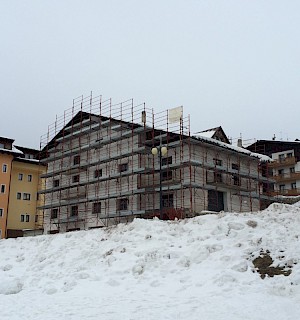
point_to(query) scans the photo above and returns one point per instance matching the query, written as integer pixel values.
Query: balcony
(293, 176)
(287, 192)
(282, 162)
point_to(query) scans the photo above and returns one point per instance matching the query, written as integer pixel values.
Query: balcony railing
(287, 177)
(282, 162)
(287, 192)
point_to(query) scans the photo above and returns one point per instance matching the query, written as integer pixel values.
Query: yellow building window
(26, 196)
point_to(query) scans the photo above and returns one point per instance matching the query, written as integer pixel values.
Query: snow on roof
(19, 154)
(28, 160)
(17, 150)
(207, 134)
(6, 139)
(221, 144)
(13, 150)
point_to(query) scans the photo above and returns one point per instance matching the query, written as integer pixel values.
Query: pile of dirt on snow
(263, 266)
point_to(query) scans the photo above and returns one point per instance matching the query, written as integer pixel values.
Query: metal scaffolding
(101, 170)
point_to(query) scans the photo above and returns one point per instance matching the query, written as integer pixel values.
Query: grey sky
(229, 63)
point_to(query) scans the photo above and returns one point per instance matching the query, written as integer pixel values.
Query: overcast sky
(229, 63)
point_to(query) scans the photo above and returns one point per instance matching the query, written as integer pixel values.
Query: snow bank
(151, 269)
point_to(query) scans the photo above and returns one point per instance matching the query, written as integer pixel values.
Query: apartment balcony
(287, 192)
(283, 162)
(293, 176)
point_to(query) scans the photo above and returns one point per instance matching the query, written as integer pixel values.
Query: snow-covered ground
(199, 268)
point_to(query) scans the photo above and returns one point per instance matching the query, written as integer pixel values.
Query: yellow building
(6, 157)
(20, 182)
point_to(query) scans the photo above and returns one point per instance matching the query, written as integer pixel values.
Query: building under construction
(102, 169)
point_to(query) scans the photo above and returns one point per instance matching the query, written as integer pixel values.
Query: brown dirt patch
(263, 266)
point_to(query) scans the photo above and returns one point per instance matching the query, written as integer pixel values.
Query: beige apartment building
(284, 170)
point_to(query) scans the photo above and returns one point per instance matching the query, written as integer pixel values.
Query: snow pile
(200, 268)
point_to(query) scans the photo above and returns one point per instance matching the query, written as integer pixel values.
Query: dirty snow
(198, 268)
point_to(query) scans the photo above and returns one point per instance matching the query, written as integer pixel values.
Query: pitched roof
(214, 133)
(214, 140)
(261, 157)
(3, 139)
(18, 152)
(27, 150)
(268, 147)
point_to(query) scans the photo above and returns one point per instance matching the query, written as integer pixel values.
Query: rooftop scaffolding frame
(101, 170)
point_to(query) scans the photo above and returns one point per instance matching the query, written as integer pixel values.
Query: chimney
(239, 143)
